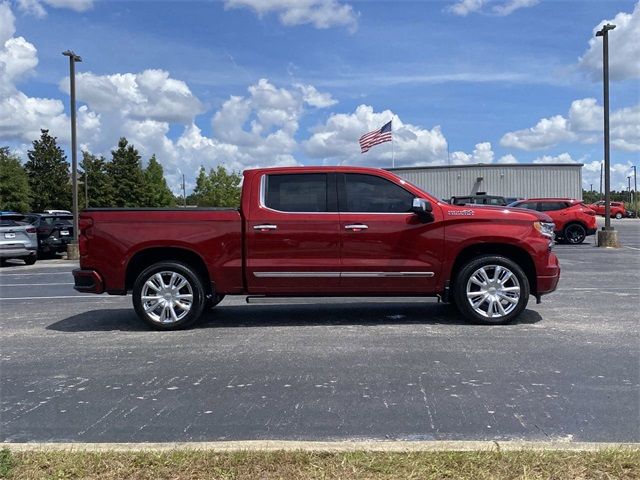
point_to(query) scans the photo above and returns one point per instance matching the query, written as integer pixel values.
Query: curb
(340, 446)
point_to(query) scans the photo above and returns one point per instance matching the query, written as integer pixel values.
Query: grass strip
(285, 465)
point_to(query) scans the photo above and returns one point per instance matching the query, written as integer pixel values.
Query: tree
(100, 186)
(218, 189)
(201, 190)
(15, 193)
(158, 193)
(127, 176)
(48, 173)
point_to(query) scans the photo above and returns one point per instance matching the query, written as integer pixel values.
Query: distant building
(517, 180)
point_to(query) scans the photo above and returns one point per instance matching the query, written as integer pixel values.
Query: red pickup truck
(319, 231)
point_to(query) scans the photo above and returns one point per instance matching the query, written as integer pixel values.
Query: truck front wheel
(168, 296)
(491, 289)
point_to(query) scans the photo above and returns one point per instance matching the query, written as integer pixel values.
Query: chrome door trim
(341, 275)
(265, 227)
(358, 226)
(386, 274)
(297, 274)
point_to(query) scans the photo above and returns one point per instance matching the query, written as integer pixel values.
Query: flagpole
(393, 151)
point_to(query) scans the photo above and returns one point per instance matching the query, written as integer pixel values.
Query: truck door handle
(265, 227)
(356, 227)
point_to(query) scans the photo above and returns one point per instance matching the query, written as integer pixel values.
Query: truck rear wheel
(491, 289)
(168, 296)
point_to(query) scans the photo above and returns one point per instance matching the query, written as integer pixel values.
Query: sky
(255, 83)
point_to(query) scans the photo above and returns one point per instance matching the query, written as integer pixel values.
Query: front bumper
(88, 281)
(547, 280)
(591, 231)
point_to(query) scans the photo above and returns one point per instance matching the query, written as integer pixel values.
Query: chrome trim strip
(297, 274)
(342, 275)
(265, 227)
(386, 274)
(358, 226)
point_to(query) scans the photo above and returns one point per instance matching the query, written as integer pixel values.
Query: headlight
(545, 228)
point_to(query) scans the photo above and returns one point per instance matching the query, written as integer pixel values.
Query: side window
(305, 192)
(371, 194)
(528, 205)
(551, 206)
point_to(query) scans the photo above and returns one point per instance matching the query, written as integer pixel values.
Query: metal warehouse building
(508, 180)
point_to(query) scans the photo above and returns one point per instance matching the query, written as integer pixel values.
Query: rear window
(305, 192)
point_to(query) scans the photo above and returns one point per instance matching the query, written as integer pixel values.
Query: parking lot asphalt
(83, 368)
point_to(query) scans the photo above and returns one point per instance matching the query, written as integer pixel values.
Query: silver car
(18, 239)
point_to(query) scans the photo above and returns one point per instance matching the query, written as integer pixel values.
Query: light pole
(629, 188)
(72, 249)
(607, 237)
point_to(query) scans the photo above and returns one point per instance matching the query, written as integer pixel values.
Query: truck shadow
(297, 315)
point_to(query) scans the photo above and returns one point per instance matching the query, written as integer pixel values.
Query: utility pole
(601, 164)
(86, 189)
(607, 237)
(73, 252)
(184, 193)
(629, 188)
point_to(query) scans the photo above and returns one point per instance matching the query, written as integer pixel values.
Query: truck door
(293, 235)
(385, 247)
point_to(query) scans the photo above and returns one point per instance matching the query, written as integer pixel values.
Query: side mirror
(421, 206)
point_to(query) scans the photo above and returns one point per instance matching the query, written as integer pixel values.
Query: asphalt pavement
(83, 368)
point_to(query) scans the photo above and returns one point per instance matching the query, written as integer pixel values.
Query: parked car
(319, 231)
(478, 199)
(17, 238)
(617, 209)
(574, 220)
(55, 231)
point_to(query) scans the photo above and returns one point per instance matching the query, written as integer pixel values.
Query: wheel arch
(147, 257)
(517, 254)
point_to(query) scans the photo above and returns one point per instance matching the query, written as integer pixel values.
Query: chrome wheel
(493, 291)
(167, 297)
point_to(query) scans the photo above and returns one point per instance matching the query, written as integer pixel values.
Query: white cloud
(315, 98)
(512, 5)
(562, 158)
(547, 132)
(618, 175)
(319, 13)
(482, 153)
(21, 116)
(624, 48)
(150, 94)
(337, 140)
(7, 23)
(465, 7)
(36, 7)
(584, 124)
(508, 158)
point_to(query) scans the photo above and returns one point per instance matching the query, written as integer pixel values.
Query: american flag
(376, 137)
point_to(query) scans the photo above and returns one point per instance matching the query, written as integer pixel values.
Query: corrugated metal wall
(521, 180)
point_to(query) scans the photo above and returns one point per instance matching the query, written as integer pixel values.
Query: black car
(55, 231)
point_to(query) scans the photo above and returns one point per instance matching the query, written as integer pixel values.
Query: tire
(214, 300)
(574, 233)
(30, 260)
(618, 215)
(495, 269)
(179, 292)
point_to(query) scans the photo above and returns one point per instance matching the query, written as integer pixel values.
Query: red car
(574, 220)
(319, 231)
(617, 209)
